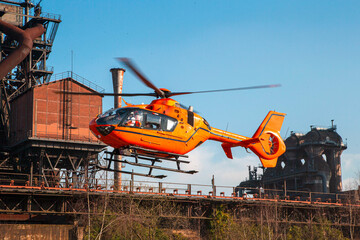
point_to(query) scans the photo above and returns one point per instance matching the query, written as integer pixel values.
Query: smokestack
(118, 78)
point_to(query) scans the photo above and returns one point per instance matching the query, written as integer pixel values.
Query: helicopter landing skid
(153, 156)
(132, 173)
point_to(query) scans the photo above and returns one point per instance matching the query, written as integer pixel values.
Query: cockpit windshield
(137, 118)
(112, 117)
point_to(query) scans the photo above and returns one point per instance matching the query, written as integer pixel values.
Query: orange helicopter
(165, 130)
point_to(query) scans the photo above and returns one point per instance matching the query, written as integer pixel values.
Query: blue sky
(310, 47)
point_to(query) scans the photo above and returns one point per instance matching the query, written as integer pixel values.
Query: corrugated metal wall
(21, 117)
(43, 113)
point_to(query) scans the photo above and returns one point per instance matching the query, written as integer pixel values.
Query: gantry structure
(42, 133)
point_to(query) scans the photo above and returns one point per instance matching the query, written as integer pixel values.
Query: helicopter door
(163, 134)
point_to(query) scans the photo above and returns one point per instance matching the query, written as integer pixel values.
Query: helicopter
(166, 130)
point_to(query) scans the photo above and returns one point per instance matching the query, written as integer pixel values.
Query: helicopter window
(107, 113)
(157, 121)
(134, 119)
(111, 117)
(153, 121)
(207, 124)
(168, 124)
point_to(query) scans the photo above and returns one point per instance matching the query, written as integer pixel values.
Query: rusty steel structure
(42, 132)
(25, 44)
(169, 202)
(25, 39)
(50, 135)
(312, 163)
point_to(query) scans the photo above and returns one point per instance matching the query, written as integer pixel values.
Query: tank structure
(44, 132)
(312, 162)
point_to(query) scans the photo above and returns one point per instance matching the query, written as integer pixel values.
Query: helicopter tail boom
(266, 142)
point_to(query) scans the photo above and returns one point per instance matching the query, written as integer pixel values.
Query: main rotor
(162, 92)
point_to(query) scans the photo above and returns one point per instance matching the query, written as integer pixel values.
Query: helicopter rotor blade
(168, 94)
(141, 76)
(108, 94)
(223, 90)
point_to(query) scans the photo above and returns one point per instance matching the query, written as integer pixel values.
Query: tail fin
(266, 142)
(270, 144)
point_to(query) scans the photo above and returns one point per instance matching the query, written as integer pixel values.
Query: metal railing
(60, 136)
(20, 136)
(50, 16)
(70, 181)
(78, 78)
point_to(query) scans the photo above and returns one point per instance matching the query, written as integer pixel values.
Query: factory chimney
(118, 78)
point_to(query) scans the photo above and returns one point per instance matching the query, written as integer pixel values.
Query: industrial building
(43, 130)
(311, 163)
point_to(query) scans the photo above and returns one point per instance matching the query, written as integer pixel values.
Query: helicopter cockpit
(137, 118)
(111, 117)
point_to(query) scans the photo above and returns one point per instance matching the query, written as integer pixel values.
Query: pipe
(25, 39)
(324, 182)
(118, 79)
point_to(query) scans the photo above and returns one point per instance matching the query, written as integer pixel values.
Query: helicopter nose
(92, 126)
(100, 131)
